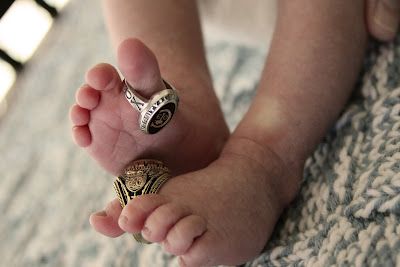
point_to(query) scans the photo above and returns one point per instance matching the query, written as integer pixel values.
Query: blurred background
(23, 25)
(48, 186)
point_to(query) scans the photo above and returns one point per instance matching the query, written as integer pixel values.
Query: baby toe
(139, 66)
(87, 97)
(182, 235)
(106, 221)
(208, 250)
(82, 135)
(135, 213)
(161, 220)
(79, 116)
(104, 77)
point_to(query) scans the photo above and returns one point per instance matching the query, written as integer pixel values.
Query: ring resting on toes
(140, 178)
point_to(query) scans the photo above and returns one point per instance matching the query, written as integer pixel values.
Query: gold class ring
(142, 177)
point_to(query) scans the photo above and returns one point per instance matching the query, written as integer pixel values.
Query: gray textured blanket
(347, 212)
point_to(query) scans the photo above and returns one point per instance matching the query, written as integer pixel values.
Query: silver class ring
(156, 112)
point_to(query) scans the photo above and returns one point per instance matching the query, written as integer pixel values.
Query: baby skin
(106, 126)
(228, 193)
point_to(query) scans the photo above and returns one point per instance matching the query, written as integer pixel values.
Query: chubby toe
(81, 135)
(161, 220)
(135, 213)
(87, 97)
(139, 66)
(104, 77)
(79, 116)
(182, 235)
(106, 221)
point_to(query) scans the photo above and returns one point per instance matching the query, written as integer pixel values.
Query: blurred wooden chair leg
(14, 63)
(52, 10)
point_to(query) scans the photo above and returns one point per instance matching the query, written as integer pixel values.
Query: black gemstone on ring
(161, 118)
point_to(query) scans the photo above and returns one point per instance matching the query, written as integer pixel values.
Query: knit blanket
(346, 213)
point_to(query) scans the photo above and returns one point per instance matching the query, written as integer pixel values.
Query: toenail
(102, 213)
(182, 262)
(123, 220)
(146, 232)
(84, 85)
(166, 245)
(111, 84)
(109, 207)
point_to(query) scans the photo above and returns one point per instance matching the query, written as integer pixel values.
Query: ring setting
(142, 177)
(156, 112)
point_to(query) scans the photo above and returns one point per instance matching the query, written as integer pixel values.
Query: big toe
(139, 66)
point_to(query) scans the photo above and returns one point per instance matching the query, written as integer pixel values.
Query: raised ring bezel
(156, 103)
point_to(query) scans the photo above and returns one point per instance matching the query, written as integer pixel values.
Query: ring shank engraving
(133, 99)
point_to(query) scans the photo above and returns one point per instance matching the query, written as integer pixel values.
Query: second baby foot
(106, 125)
(222, 214)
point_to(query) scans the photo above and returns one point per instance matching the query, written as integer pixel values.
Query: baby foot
(107, 125)
(223, 214)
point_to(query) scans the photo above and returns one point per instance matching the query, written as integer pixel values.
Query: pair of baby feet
(222, 205)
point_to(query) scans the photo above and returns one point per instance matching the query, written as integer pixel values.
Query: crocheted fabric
(346, 213)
